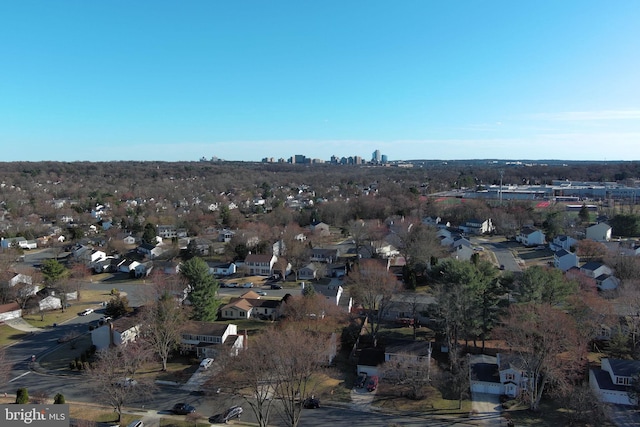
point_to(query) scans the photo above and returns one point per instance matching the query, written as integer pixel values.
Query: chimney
(111, 332)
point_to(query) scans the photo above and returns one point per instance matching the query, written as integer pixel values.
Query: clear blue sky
(243, 80)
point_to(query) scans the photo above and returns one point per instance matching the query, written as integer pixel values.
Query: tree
(117, 306)
(163, 323)
(149, 234)
(411, 373)
(275, 367)
(203, 289)
(109, 378)
(59, 399)
(546, 345)
(590, 250)
(544, 285)
(373, 286)
(584, 214)
(53, 271)
(22, 396)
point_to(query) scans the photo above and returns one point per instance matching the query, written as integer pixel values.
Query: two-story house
(563, 242)
(117, 332)
(206, 339)
(260, 265)
(478, 226)
(564, 260)
(612, 381)
(530, 236)
(600, 232)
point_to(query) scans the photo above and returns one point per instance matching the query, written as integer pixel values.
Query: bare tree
(278, 365)
(547, 346)
(373, 286)
(112, 379)
(410, 372)
(163, 321)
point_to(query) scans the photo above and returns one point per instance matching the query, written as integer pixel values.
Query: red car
(373, 383)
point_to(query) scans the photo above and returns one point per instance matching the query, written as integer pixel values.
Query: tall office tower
(376, 156)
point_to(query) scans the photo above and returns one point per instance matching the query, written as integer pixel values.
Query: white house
(607, 282)
(478, 226)
(117, 332)
(503, 374)
(600, 232)
(612, 381)
(530, 236)
(563, 242)
(260, 265)
(222, 269)
(595, 269)
(564, 260)
(205, 338)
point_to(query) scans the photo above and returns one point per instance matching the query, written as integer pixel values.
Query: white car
(248, 285)
(206, 363)
(86, 311)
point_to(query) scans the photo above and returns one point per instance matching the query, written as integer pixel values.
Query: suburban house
(607, 282)
(503, 374)
(335, 294)
(320, 228)
(205, 339)
(600, 232)
(595, 269)
(250, 305)
(19, 242)
(612, 381)
(49, 298)
(222, 269)
(308, 272)
(260, 265)
(10, 311)
(461, 249)
(530, 236)
(478, 226)
(415, 306)
(225, 235)
(324, 255)
(117, 332)
(563, 242)
(370, 360)
(564, 260)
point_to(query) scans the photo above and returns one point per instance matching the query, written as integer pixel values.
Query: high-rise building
(376, 156)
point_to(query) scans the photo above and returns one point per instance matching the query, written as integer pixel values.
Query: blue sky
(243, 80)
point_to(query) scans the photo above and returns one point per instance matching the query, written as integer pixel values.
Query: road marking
(20, 376)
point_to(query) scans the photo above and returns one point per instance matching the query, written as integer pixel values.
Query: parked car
(136, 423)
(262, 293)
(311, 403)
(232, 285)
(373, 383)
(233, 412)
(361, 380)
(126, 382)
(501, 266)
(206, 363)
(248, 285)
(183, 409)
(274, 286)
(85, 312)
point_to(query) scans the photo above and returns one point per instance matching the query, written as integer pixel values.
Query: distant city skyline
(160, 80)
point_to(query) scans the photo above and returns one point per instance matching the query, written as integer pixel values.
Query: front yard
(89, 299)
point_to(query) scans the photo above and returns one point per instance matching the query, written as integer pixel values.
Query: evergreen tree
(59, 399)
(149, 234)
(203, 289)
(22, 396)
(53, 271)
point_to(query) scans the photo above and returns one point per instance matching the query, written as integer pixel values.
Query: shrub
(72, 365)
(115, 291)
(22, 396)
(58, 399)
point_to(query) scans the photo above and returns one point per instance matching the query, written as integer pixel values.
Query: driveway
(361, 399)
(486, 409)
(21, 325)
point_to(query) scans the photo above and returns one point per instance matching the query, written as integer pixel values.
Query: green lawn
(8, 335)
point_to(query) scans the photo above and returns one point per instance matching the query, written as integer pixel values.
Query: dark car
(274, 286)
(233, 412)
(311, 403)
(361, 380)
(183, 409)
(373, 383)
